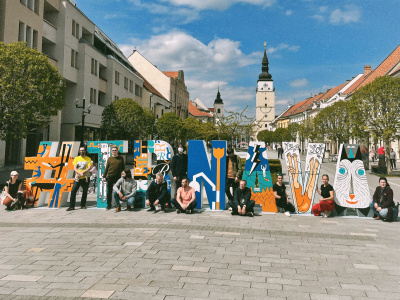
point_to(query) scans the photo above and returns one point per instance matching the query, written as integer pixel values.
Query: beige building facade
(93, 66)
(171, 85)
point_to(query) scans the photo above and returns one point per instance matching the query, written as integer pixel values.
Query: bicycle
(333, 158)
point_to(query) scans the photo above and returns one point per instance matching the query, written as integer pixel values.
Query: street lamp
(85, 111)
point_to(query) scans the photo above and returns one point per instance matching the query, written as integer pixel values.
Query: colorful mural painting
(149, 158)
(103, 150)
(53, 175)
(351, 185)
(258, 176)
(303, 188)
(208, 171)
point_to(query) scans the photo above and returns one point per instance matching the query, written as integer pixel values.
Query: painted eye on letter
(361, 172)
(342, 170)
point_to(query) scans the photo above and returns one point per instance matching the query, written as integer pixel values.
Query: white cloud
(350, 13)
(289, 12)
(218, 5)
(299, 82)
(283, 46)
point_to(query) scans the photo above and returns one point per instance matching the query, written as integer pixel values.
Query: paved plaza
(94, 253)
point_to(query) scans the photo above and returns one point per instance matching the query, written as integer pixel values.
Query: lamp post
(85, 111)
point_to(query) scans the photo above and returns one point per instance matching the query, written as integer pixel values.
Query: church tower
(265, 96)
(218, 107)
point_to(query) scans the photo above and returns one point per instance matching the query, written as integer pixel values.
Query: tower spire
(265, 76)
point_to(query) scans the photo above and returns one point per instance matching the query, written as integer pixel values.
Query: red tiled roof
(149, 87)
(382, 69)
(351, 88)
(194, 111)
(302, 106)
(330, 93)
(171, 74)
(211, 109)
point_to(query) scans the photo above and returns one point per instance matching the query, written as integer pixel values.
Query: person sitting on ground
(326, 203)
(15, 196)
(233, 174)
(157, 194)
(383, 205)
(282, 200)
(242, 205)
(185, 201)
(125, 190)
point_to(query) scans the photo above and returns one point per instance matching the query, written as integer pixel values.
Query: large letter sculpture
(351, 186)
(256, 169)
(43, 165)
(151, 157)
(303, 189)
(103, 150)
(212, 175)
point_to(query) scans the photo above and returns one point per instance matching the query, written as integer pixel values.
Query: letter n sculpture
(209, 172)
(303, 188)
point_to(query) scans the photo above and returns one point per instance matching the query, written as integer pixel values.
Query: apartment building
(92, 65)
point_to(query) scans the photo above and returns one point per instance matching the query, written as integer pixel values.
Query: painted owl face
(351, 186)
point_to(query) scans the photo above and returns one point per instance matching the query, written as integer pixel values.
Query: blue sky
(312, 45)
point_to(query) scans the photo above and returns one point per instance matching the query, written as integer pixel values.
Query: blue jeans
(117, 199)
(384, 211)
(85, 186)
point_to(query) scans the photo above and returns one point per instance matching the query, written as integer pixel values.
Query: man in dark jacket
(242, 205)
(114, 167)
(179, 166)
(233, 174)
(157, 193)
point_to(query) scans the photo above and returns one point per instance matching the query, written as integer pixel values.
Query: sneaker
(158, 208)
(108, 208)
(128, 207)
(178, 211)
(118, 209)
(152, 208)
(250, 214)
(287, 214)
(188, 211)
(83, 207)
(70, 208)
(325, 216)
(230, 208)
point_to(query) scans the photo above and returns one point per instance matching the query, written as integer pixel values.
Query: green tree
(126, 119)
(281, 135)
(376, 108)
(169, 127)
(293, 129)
(31, 90)
(265, 136)
(333, 122)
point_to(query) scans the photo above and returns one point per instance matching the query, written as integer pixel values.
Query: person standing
(185, 201)
(242, 205)
(82, 165)
(326, 203)
(125, 190)
(280, 151)
(179, 166)
(114, 167)
(233, 174)
(282, 200)
(392, 159)
(372, 153)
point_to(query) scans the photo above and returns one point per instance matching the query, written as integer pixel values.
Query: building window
(34, 39)
(116, 98)
(21, 33)
(265, 105)
(266, 125)
(93, 96)
(218, 111)
(126, 83)
(94, 67)
(117, 77)
(138, 90)
(75, 29)
(28, 36)
(131, 86)
(74, 58)
(266, 116)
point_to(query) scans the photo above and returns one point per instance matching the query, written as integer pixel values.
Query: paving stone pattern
(98, 254)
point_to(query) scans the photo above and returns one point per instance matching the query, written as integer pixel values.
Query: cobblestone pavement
(93, 253)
